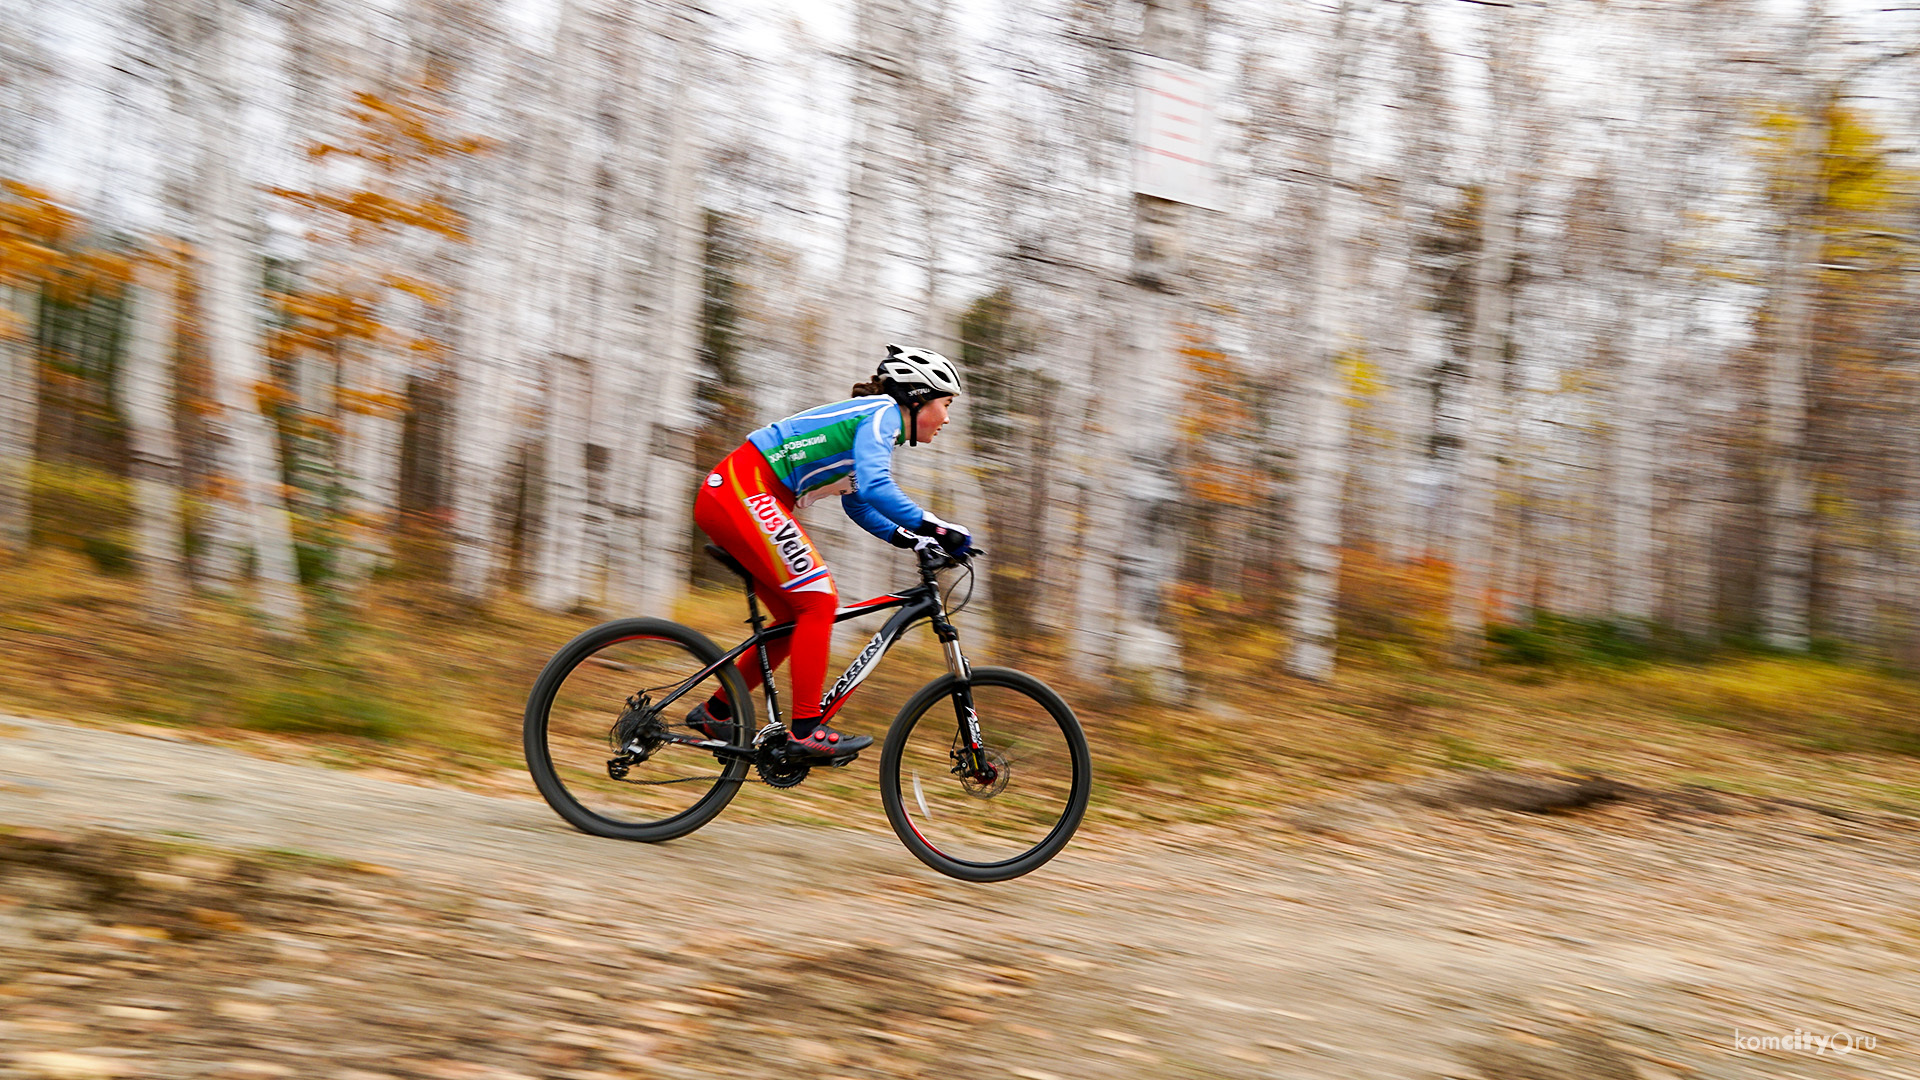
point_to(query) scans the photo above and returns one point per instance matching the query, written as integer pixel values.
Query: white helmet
(919, 375)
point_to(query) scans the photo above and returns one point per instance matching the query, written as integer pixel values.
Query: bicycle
(992, 796)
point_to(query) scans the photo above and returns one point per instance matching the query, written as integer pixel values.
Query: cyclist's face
(933, 417)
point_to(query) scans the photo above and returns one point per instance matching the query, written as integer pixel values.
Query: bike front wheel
(580, 719)
(1011, 817)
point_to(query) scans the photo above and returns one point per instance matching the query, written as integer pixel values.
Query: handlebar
(932, 563)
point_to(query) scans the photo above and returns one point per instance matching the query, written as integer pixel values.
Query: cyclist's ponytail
(873, 387)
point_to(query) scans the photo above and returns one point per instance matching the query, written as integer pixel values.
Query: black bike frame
(914, 604)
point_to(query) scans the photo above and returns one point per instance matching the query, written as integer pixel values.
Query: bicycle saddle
(730, 562)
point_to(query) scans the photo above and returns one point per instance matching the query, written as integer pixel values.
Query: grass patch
(324, 703)
(1814, 704)
(1458, 753)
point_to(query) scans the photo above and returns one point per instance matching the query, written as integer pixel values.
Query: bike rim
(983, 824)
(674, 780)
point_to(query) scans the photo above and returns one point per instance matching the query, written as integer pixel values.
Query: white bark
(559, 572)
(1633, 422)
(147, 394)
(570, 281)
(481, 418)
(678, 255)
(1324, 447)
(19, 412)
(1136, 374)
(1787, 568)
(1095, 630)
(1474, 545)
(235, 343)
(23, 73)
(643, 110)
(491, 352)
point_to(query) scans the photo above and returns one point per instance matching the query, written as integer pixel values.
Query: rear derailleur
(634, 736)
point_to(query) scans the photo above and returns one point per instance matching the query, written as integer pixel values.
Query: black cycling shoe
(709, 726)
(824, 742)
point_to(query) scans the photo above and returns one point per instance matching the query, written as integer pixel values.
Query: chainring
(782, 773)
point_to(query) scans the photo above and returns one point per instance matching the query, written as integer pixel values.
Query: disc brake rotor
(987, 782)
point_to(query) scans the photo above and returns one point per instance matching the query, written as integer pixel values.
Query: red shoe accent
(826, 742)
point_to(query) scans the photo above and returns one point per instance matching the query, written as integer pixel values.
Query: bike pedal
(842, 761)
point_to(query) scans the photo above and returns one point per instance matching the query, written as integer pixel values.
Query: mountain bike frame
(921, 602)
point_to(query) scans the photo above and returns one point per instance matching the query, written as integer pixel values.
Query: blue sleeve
(870, 519)
(873, 475)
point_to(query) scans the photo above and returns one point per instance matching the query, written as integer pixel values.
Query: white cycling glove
(934, 535)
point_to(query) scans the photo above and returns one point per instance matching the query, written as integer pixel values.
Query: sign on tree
(1174, 143)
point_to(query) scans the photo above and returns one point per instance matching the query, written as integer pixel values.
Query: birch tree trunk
(481, 420)
(1095, 630)
(678, 256)
(19, 412)
(1474, 540)
(571, 278)
(1324, 446)
(1633, 425)
(561, 540)
(479, 433)
(1787, 567)
(249, 449)
(23, 71)
(1129, 485)
(490, 374)
(148, 396)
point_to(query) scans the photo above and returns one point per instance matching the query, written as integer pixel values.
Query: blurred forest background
(355, 352)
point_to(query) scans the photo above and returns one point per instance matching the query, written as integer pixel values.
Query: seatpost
(758, 622)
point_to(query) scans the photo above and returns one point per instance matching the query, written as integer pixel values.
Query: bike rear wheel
(585, 692)
(1041, 780)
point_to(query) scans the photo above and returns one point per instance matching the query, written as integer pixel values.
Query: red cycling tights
(749, 514)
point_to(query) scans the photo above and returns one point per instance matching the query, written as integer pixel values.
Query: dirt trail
(466, 937)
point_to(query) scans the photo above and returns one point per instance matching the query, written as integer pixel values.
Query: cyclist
(845, 448)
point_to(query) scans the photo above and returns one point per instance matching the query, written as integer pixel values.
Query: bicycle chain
(754, 778)
(682, 780)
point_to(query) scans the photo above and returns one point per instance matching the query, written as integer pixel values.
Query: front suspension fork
(970, 759)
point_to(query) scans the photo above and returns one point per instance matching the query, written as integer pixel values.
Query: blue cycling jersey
(846, 446)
